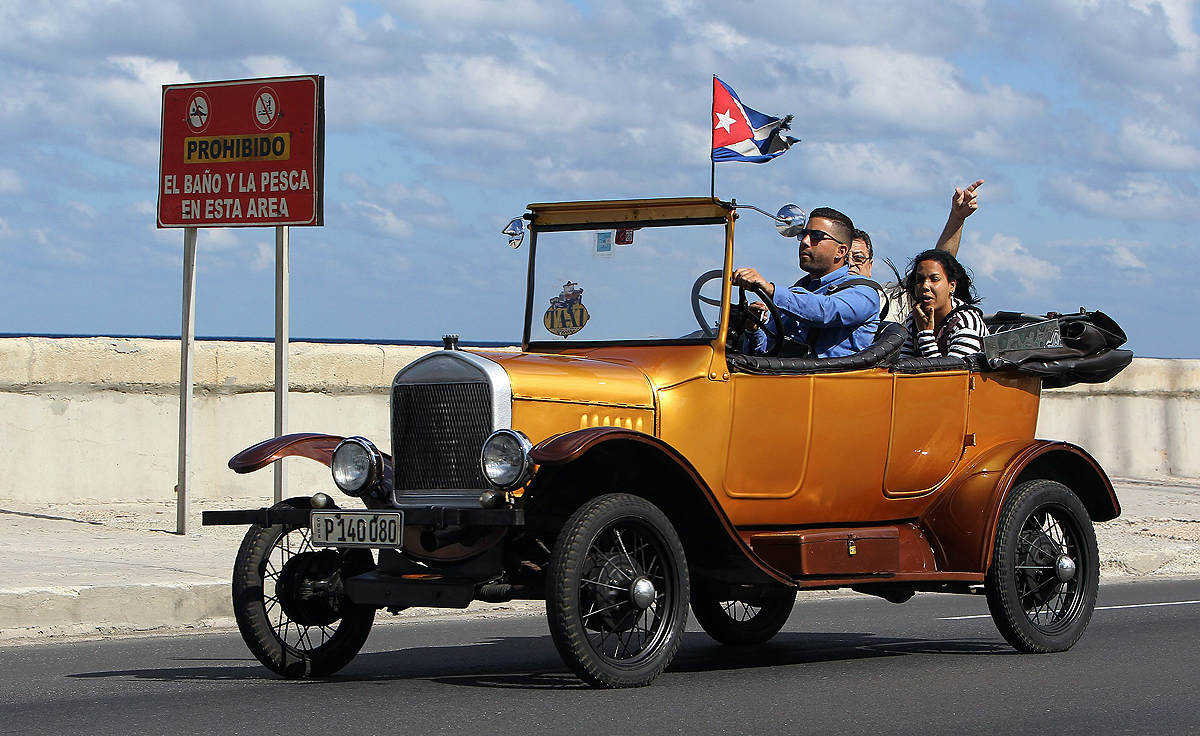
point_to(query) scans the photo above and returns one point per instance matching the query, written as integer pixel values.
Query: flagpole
(712, 180)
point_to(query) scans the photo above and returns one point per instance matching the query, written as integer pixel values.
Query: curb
(118, 610)
(33, 613)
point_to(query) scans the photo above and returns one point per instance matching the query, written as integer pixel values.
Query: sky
(444, 119)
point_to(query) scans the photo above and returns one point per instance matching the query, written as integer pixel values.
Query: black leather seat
(930, 365)
(881, 352)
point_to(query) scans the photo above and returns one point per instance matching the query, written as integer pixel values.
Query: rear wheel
(289, 629)
(617, 592)
(742, 622)
(1045, 573)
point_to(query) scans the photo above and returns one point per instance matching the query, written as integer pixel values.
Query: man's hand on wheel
(749, 278)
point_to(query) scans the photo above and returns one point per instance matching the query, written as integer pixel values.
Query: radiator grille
(437, 432)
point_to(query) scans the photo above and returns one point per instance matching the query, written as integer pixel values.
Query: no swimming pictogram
(198, 109)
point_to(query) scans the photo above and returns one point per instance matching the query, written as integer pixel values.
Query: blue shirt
(845, 322)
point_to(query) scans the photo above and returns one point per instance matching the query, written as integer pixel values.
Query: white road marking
(1098, 608)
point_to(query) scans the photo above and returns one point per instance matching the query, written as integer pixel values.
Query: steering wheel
(738, 313)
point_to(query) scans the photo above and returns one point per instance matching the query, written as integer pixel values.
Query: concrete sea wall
(97, 418)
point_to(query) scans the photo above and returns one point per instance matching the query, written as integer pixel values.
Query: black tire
(1043, 526)
(740, 623)
(279, 627)
(607, 634)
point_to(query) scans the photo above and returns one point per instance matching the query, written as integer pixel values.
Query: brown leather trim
(567, 447)
(1019, 463)
(314, 446)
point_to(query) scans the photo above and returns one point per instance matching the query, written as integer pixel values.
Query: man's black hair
(862, 235)
(828, 213)
(955, 271)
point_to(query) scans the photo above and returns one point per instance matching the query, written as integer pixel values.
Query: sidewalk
(90, 569)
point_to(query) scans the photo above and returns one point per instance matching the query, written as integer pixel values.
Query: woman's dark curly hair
(964, 291)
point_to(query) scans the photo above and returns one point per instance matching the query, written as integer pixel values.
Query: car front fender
(314, 446)
(586, 463)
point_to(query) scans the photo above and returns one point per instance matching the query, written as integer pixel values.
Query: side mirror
(790, 220)
(515, 232)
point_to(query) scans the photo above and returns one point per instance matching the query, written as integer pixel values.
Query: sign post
(187, 336)
(282, 271)
(241, 153)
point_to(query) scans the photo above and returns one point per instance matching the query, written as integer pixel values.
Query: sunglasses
(858, 258)
(816, 236)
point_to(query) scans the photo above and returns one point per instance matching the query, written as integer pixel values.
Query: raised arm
(962, 204)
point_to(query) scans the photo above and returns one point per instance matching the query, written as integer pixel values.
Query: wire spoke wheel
(1044, 577)
(742, 622)
(289, 629)
(617, 593)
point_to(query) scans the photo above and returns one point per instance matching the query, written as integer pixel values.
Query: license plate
(378, 529)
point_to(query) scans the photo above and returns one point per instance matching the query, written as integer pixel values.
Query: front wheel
(617, 592)
(737, 622)
(291, 630)
(1045, 573)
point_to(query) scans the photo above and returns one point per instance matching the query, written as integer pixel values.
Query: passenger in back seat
(861, 258)
(945, 321)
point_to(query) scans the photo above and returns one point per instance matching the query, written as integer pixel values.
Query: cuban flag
(741, 133)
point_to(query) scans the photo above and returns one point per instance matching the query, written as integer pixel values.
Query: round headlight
(505, 459)
(356, 466)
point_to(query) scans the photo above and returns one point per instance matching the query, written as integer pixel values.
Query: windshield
(626, 284)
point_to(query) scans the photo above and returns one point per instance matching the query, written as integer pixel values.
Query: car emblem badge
(566, 314)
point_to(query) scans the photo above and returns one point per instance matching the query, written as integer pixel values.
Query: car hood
(575, 379)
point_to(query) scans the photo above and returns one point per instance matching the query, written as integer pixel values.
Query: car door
(929, 425)
(811, 447)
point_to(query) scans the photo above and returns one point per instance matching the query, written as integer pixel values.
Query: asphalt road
(850, 664)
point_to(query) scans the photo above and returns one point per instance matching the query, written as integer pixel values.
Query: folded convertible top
(1061, 349)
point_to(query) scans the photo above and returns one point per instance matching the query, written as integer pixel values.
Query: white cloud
(883, 88)
(1004, 258)
(10, 182)
(83, 208)
(270, 66)
(384, 220)
(1148, 144)
(7, 232)
(1122, 256)
(887, 172)
(263, 257)
(1137, 196)
(220, 239)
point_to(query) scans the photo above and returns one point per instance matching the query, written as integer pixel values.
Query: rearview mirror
(515, 232)
(790, 220)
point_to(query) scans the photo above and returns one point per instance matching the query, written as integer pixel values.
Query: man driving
(821, 310)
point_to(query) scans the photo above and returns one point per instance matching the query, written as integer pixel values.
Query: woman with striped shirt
(944, 321)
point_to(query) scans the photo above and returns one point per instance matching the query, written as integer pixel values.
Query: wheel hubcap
(1065, 567)
(641, 592)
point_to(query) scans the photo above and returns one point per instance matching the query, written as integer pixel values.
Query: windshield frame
(529, 345)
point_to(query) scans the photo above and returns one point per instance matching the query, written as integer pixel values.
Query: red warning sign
(243, 153)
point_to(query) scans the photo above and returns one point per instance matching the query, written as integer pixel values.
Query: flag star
(724, 121)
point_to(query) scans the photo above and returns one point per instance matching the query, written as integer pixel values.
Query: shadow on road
(531, 662)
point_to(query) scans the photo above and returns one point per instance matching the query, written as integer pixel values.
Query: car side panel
(694, 418)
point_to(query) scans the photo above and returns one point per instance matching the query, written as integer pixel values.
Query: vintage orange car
(625, 464)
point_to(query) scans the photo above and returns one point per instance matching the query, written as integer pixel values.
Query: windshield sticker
(566, 314)
(603, 244)
(625, 236)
